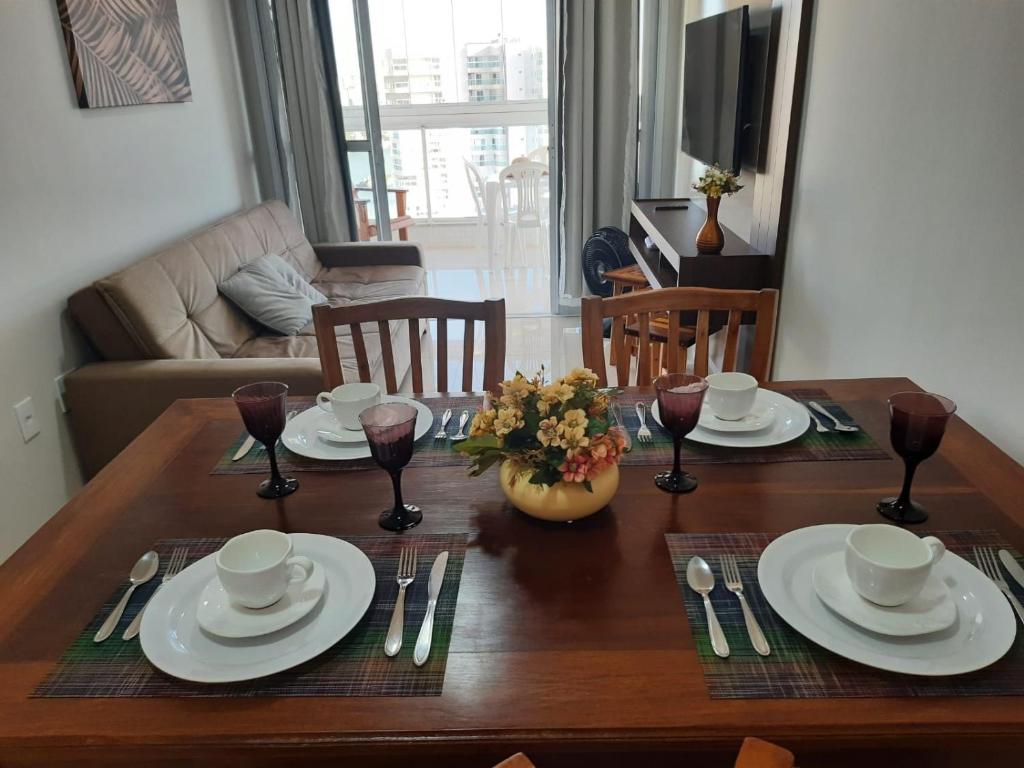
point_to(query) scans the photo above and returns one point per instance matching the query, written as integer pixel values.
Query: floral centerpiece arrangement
(714, 183)
(549, 437)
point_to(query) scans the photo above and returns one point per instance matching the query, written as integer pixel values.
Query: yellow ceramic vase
(559, 502)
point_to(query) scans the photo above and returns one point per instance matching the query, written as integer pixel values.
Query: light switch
(26, 415)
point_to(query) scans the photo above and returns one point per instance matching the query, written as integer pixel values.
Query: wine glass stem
(275, 476)
(396, 481)
(677, 444)
(908, 479)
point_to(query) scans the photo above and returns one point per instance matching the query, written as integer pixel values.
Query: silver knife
(244, 448)
(419, 656)
(1011, 565)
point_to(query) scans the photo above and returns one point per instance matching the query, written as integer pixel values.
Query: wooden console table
(673, 223)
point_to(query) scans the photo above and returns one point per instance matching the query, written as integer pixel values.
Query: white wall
(82, 193)
(905, 255)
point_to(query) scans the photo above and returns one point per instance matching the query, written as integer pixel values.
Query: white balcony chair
(522, 198)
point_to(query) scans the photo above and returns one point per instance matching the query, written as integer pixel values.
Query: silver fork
(840, 427)
(174, 565)
(988, 565)
(733, 582)
(442, 433)
(405, 576)
(643, 435)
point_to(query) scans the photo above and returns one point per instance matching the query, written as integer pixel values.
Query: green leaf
(474, 445)
(546, 475)
(484, 461)
(588, 486)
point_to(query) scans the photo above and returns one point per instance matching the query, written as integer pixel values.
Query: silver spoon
(702, 581)
(143, 570)
(463, 418)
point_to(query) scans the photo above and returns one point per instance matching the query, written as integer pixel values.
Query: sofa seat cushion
(358, 285)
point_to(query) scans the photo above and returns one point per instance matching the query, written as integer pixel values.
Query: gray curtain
(661, 64)
(264, 99)
(597, 124)
(325, 202)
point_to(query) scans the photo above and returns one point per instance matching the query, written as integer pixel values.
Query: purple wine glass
(917, 423)
(680, 397)
(390, 431)
(262, 406)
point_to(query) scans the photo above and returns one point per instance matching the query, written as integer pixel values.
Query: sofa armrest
(110, 403)
(368, 254)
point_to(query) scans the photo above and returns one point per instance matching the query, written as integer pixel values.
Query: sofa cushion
(359, 285)
(272, 293)
(169, 302)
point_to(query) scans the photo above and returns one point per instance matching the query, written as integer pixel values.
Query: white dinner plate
(300, 435)
(761, 416)
(982, 633)
(220, 615)
(791, 421)
(174, 643)
(932, 610)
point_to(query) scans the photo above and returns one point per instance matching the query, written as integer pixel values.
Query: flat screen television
(714, 61)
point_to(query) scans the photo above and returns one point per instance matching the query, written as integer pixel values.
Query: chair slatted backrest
(676, 302)
(327, 318)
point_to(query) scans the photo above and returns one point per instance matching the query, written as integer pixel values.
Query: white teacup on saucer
(931, 610)
(221, 616)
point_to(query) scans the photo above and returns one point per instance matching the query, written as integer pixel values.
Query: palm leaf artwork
(125, 52)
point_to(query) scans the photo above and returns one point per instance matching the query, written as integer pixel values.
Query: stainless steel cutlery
(422, 650)
(1012, 566)
(734, 583)
(643, 435)
(143, 570)
(405, 576)
(461, 435)
(442, 433)
(701, 580)
(840, 426)
(819, 425)
(985, 557)
(175, 563)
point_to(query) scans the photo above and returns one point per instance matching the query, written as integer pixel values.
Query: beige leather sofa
(162, 332)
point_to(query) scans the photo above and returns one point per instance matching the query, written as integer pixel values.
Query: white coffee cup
(731, 395)
(889, 565)
(348, 401)
(256, 568)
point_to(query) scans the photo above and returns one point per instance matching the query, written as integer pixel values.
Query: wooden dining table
(570, 642)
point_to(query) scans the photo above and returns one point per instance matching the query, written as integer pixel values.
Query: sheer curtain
(597, 118)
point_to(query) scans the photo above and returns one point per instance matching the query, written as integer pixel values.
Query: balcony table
(570, 641)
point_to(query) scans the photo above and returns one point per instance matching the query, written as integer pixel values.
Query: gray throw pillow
(271, 292)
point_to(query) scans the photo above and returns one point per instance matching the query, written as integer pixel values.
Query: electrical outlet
(26, 415)
(58, 384)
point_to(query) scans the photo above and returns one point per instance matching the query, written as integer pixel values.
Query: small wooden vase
(711, 239)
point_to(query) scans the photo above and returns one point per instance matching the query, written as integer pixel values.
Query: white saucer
(174, 643)
(761, 417)
(791, 421)
(982, 634)
(216, 613)
(300, 434)
(931, 611)
(333, 432)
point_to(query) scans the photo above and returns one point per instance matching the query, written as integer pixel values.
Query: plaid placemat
(812, 446)
(797, 668)
(428, 452)
(355, 666)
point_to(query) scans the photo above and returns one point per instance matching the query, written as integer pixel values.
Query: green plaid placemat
(356, 666)
(797, 668)
(812, 446)
(428, 452)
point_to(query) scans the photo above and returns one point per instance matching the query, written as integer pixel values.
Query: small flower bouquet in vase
(714, 183)
(558, 450)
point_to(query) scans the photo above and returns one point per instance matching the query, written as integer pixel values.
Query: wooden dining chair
(327, 318)
(677, 303)
(518, 760)
(756, 753)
